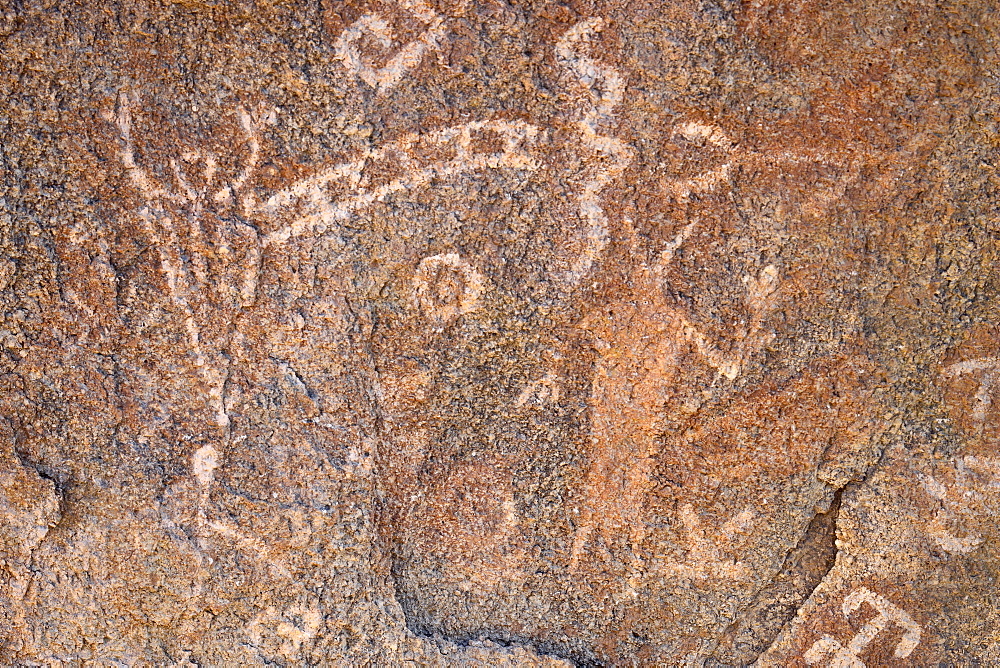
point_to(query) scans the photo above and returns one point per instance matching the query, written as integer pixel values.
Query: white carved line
(428, 274)
(968, 366)
(696, 131)
(610, 89)
(406, 59)
(667, 254)
(322, 210)
(545, 389)
(830, 648)
(937, 528)
(589, 72)
(888, 613)
(703, 559)
(712, 134)
(987, 384)
(840, 656)
(160, 227)
(961, 493)
(760, 291)
(580, 538)
(727, 367)
(204, 461)
(707, 181)
(948, 541)
(761, 295)
(312, 620)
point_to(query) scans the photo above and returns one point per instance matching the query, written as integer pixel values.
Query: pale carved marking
(988, 369)
(627, 400)
(252, 546)
(406, 59)
(829, 649)
(204, 462)
(336, 193)
(667, 254)
(184, 266)
(446, 287)
(296, 626)
(417, 156)
(963, 497)
(480, 538)
(320, 209)
(544, 390)
(307, 624)
(704, 559)
(712, 135)
(606, 88)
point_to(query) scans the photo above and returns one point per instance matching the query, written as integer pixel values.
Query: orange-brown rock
(434, 332)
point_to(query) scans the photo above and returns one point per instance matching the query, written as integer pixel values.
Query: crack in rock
(777, 603)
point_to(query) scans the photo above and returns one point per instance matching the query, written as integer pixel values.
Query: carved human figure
(669, 420)
(212, 235)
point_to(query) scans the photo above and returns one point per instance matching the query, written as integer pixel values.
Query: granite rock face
(474, 332)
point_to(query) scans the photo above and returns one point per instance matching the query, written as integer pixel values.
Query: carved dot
(445, 287)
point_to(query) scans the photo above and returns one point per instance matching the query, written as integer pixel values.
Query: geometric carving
(848, 657)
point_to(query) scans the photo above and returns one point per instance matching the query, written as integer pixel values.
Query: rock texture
(488, 332)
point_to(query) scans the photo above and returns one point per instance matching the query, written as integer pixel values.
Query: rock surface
(468, 332)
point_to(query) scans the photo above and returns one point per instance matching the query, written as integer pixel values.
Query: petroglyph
(421, 158)
(707, 181)
(407, 58)
(620, 504)
(630, 387)
(605, 87)
(830, 649)
(319, 202)
(709, 138)
(295, 627)
(252, 546)
(704, 558)
(194, 531)
(309, 620)
(446, 287)
(644, 353)
(988, 371)
(541, 391)
(174, 218)
(203, 464)
(971, 492)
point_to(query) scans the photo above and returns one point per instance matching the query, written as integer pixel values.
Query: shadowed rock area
(495, 333)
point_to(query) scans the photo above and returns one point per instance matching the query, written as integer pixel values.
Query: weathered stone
(499, 333)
